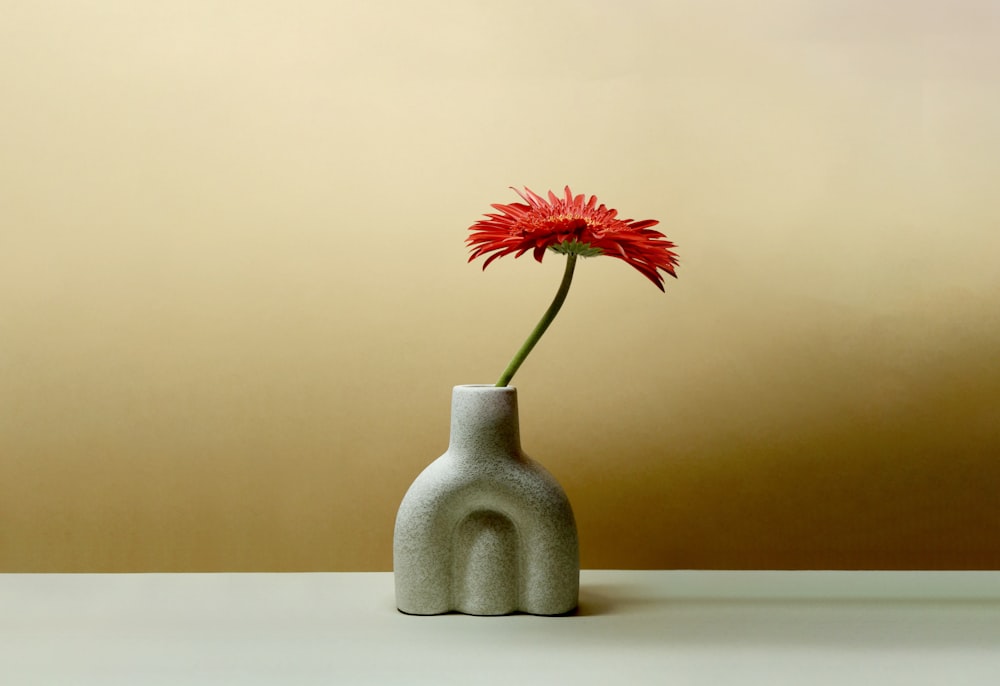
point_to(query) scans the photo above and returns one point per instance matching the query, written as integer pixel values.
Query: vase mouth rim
(485, 387)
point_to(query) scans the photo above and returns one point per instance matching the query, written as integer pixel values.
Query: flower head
(572, 225)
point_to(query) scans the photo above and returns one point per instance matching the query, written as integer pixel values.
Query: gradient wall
(234, 294)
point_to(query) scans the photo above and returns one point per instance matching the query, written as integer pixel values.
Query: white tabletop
(677, 627)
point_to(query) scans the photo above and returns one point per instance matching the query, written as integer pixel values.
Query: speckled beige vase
(484, 529)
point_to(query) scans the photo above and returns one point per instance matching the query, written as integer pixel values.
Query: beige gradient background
(234, 294)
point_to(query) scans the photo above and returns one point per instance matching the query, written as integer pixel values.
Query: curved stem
(543, 323)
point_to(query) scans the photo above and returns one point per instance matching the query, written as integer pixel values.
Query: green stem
(543, 323)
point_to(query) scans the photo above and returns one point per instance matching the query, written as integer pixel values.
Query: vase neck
(484, 422)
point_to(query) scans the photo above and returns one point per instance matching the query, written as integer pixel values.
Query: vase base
(568, 613)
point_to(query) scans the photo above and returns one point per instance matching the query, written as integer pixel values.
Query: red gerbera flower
(572, 225)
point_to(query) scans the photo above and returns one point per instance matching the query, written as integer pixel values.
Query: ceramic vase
(484, 529)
